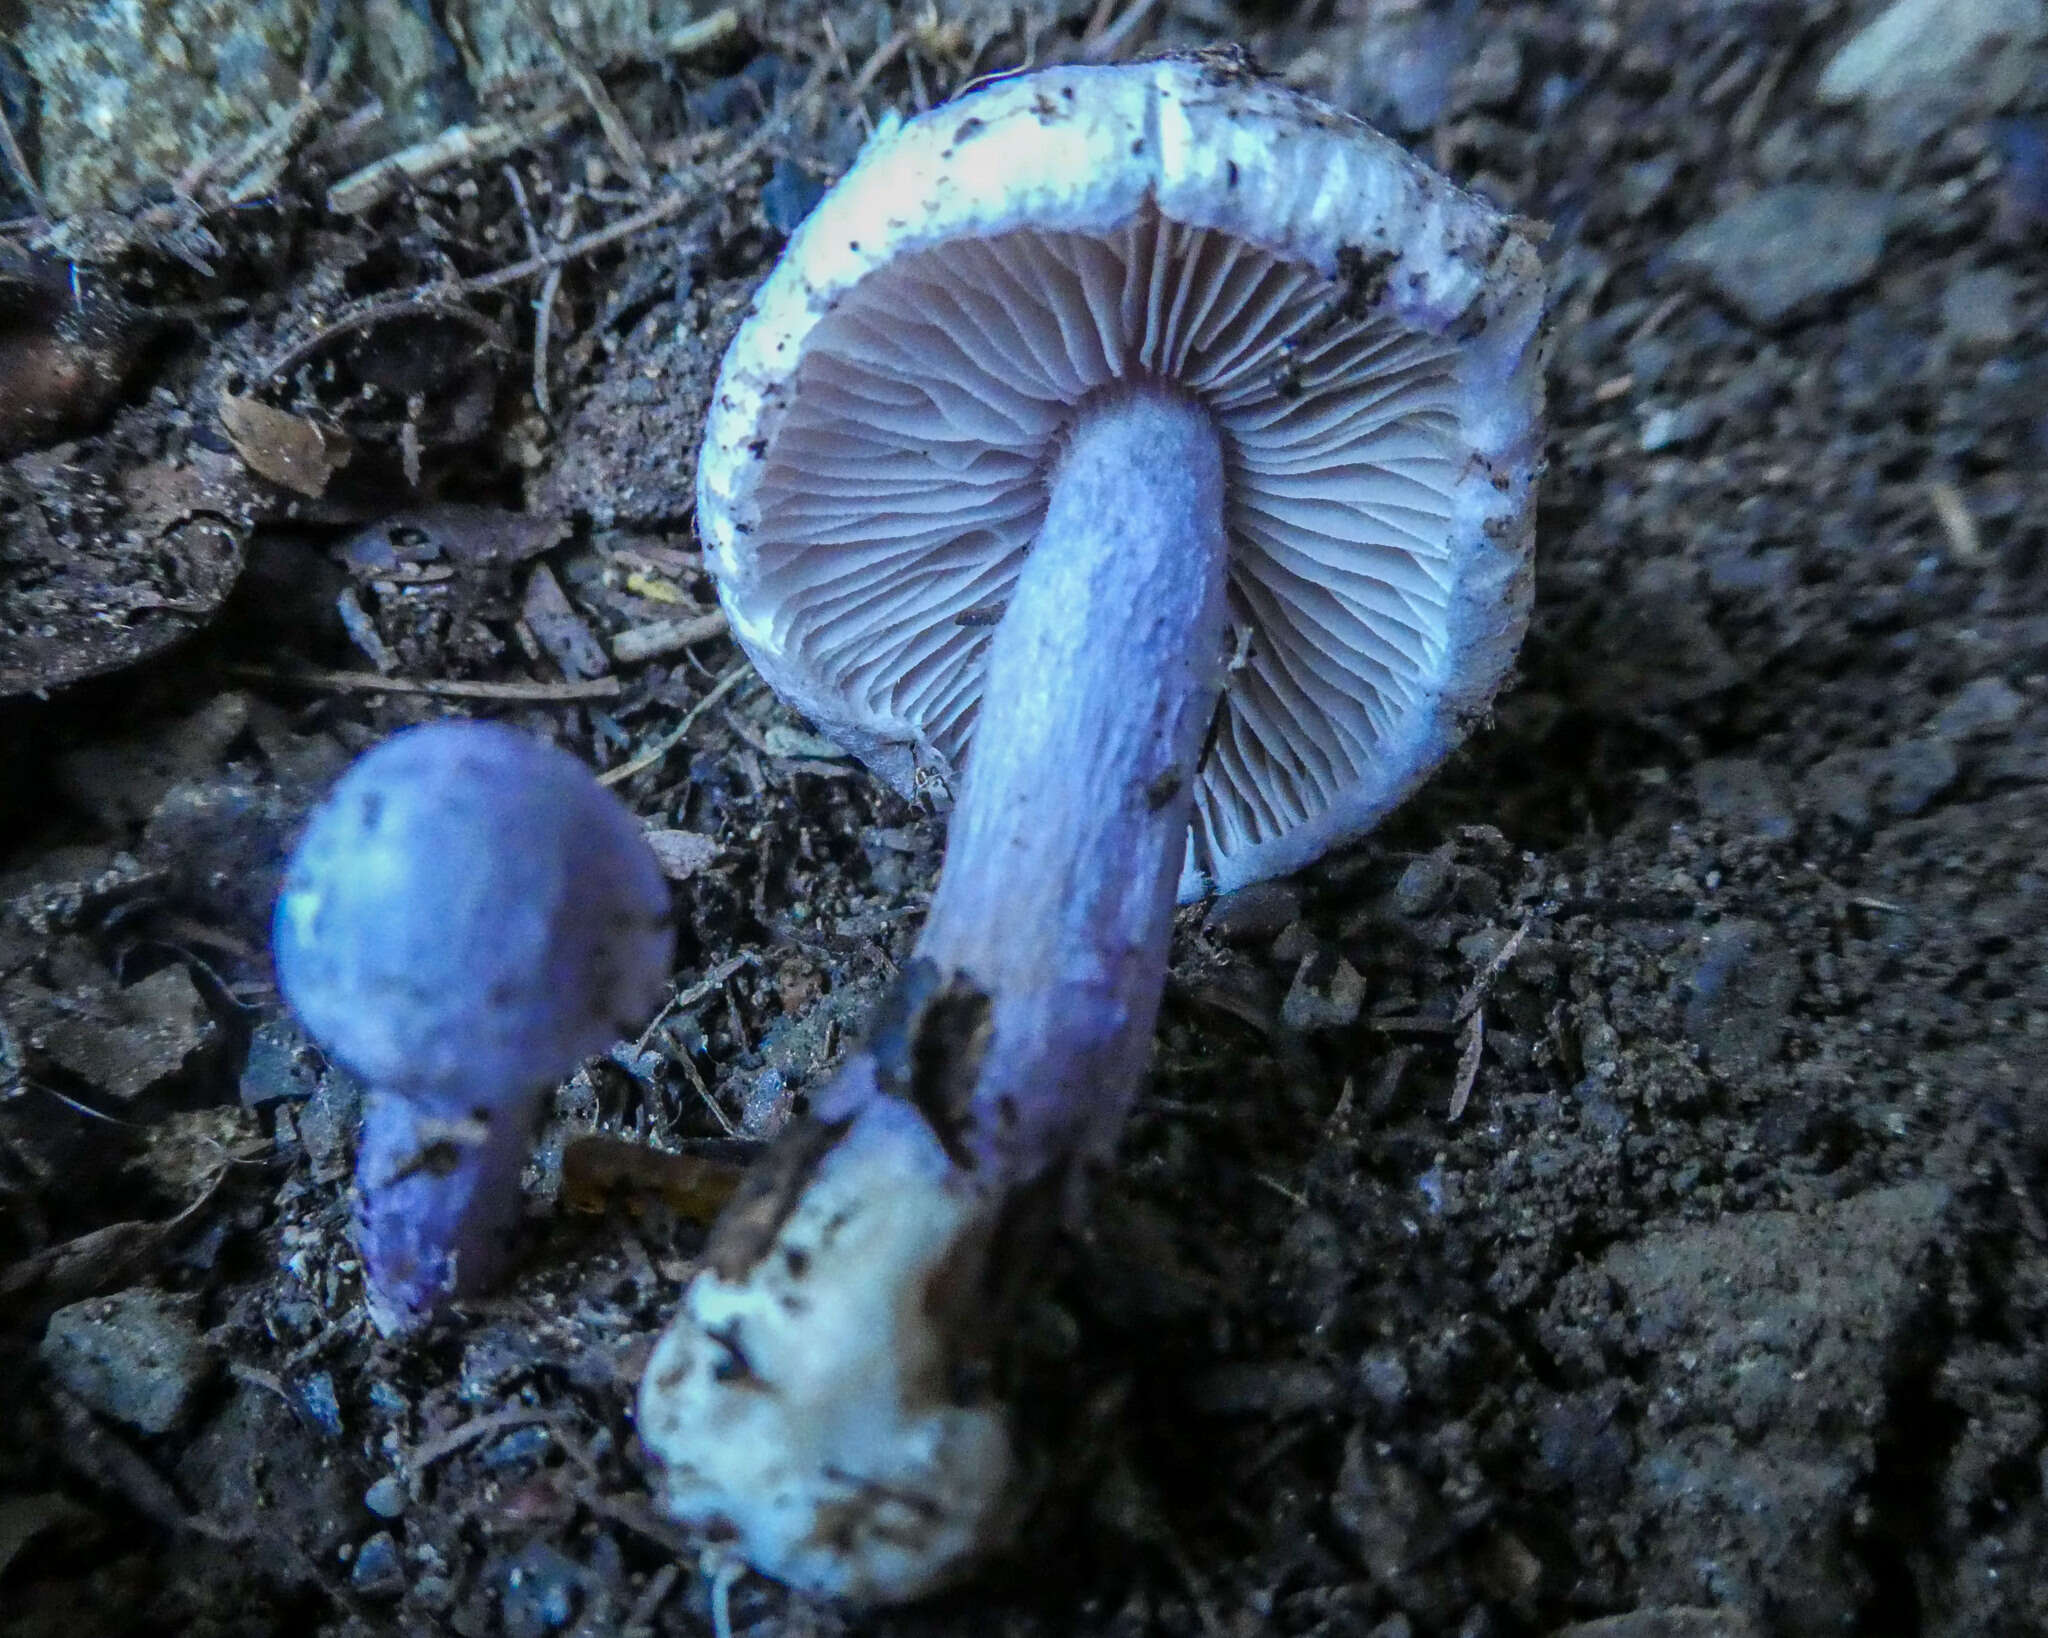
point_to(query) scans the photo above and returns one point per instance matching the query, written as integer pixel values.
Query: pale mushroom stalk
(1065, 851)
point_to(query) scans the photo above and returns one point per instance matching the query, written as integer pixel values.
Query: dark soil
(1721, 1305)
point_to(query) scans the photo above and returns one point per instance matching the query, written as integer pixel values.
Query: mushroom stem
(1064, 854)
(437, 1201)
(829, 1394)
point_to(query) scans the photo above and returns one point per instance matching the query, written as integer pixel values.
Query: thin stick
(453, 688)
(1476, 992)
(544, 306)
(443, 298)
(432, 300)
(706, 32)
(618, 135)
(493, 139)
(665, 209)
(425, 1454)
(17, 165)
(1468, 1064)
(871, 70)
(650, 642)
(255, 163)
(1122, 34)
(1953, 514)
(674, 737)
(845, 68)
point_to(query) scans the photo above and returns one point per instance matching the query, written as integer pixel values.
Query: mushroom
(468, 915)
(1144, 453)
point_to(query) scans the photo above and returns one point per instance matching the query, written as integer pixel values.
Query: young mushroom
(468, 915)
(1155, 446)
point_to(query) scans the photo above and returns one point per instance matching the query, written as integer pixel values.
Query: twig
(665, 209)
(845, 67)
(447, 1444)
(360, 191)
(1476, 991)
(674, 737)
(659, 637)
(712, 983)
(345, 132)
(635, 1513)
(544, 304)
(256, 164)
(640, 1618)
(1468, 1064)
(618, 135)
(526, 223)
(432, 300)
(550, 289)
(379, 180)
(706, 32)
(703, 1091)
(871, 70)
(17, 165)
(1952, 512)
(368, 682)
(1281, 1189)
(91, 1449)
(1114, 40)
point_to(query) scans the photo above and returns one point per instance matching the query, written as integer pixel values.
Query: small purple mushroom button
(468, 916)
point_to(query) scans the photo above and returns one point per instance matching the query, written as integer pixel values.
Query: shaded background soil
(1610, 1200)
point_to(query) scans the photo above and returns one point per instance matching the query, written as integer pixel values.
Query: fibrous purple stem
(814, 1394)
(438, 1200)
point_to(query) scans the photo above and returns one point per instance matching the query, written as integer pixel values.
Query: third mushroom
(1143, 455)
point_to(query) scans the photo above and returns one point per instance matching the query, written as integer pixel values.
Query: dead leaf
(287, 449)
(596, 1167)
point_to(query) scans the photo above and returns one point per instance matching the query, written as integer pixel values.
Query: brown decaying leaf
(597, 1167)
(287, 449)
(96, 1262)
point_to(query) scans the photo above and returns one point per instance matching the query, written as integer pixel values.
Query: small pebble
(379, 1571)
(386, 1498)
(1986, 707)
(1384, 1378)
(1327, 993)
(1672, 428)
(1908, 778)
(1647, 183)
(1781, 251)
(433, 1592)
(541, 1592)
(280, 1065)
(1424, 884)
(317, 1394)
(135, 1356)
(327, 1125)
(1980, 310)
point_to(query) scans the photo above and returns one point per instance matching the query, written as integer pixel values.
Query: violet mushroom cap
(467, 916)
(1173, 435)
(1365, 335)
